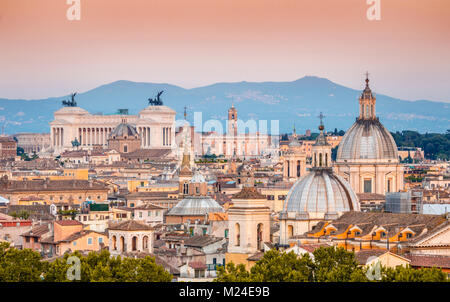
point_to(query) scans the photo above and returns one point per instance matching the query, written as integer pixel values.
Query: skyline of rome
(236, 142)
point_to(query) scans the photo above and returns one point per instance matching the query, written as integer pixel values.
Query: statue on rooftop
(157, 101)
(70, 103)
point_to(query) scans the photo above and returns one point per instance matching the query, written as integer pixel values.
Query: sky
(193, 43)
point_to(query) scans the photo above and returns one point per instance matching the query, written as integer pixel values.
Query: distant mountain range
(298, 102)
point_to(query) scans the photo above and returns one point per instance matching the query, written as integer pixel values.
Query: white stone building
(155, 125)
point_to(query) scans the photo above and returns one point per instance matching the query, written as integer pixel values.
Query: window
(389, 185)
(27, 239)
(140, 214)
(100, 240)
(89, 240)
(149, 213)
(74, 243)
(238, 234)
(367, 186)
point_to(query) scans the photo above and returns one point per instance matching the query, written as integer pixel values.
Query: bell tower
(367, 103)
(321, 149)
(232, 121)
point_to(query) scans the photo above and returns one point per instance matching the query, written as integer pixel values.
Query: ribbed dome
(367, 139)
(321, 191)
(124, 130)
(195, 206)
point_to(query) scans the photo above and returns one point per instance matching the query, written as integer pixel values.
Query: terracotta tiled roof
(248, 193)
(218, 216)
(68, 222)
(131, 225)
(147, 153)
(363, 255)
(370, 196)
(78, 235)
(197, 265)
(51, 185)
(37, 231)
(201, 241)
(312, 247)
(429, 261)
(149, 206)
(256, 257)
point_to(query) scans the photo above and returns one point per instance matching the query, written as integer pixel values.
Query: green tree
(408, 274)
(329, 264)
(276, 266)
(232, 273)
(336, 265)
(101, 267)
(19, 265)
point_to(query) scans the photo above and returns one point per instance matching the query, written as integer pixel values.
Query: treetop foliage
(328, 264)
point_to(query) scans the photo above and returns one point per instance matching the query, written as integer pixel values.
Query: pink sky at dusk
(199, 42)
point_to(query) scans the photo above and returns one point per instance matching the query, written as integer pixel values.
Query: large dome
(366, 140)
(320, 192)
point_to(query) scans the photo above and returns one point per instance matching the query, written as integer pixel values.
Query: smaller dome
(124, 130)
(197, 178)
(321, 191)
(195, 206)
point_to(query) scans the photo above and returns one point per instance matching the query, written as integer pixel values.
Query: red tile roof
(68, 222)
(197, 265)
(439, 261)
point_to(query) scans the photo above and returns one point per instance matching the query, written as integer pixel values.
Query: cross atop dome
(321, 117)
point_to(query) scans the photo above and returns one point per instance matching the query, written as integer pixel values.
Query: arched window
(134, 243)
(114, 242)
(315, 160)
(237, 229)
(145, 242)
(320, 159)
(298, 168)
(122, 244)
(185, 188)
(326, 159)
(259, 236)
